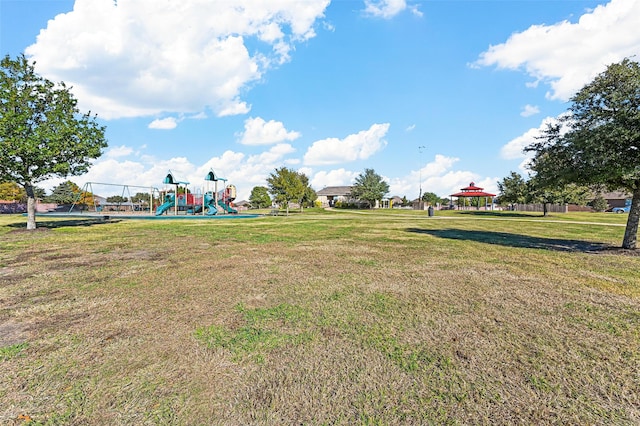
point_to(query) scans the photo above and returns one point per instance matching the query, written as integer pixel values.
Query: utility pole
(420, 149)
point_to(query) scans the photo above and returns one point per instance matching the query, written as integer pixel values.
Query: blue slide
(227, 207)
(210, 202)
(169, 201)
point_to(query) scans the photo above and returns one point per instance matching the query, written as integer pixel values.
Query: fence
(551, 208)
(12, 208)
(18, 208)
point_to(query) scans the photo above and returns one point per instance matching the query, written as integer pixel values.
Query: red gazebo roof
(472, 191)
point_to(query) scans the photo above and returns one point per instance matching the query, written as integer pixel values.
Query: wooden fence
(551, 208)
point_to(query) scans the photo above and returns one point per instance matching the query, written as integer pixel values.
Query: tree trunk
(631, 231)
(31, 207)
(545, 210)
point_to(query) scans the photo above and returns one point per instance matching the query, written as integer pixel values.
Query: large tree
(431, 198)
(287, 185)
(369, 187)
(513, 189)
(42, 132)
(259, 197)
(598, 141)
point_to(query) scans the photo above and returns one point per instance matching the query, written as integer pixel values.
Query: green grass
(11, 351)
(342, 317)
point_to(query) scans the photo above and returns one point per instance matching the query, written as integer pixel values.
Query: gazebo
(473, 191)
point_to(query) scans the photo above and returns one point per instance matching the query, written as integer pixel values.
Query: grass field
(320, 318)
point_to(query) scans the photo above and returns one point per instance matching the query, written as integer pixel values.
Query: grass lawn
(341, 317)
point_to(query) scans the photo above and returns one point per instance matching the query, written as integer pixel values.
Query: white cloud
(257, 131)
(410, 128)
(168, 123)
(272, 156)
(134, 58)
(119, 151)
(514, 149)
(529, 110)
(568, 55)
(199, 116)
(359, 146)
(338, 177)
(415, 11)
(384, 8)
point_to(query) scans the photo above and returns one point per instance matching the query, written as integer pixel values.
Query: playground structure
(175, 201)
(202, 202)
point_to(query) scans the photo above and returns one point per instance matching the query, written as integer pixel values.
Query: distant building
(616, 198)
(242, 205)
(396, 201)
(330, 195)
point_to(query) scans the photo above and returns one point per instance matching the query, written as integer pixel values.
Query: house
(396, 201)
(330, 195)
(242, 205)
(616, 198)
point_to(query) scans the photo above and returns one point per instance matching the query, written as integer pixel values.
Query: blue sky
(430, 93)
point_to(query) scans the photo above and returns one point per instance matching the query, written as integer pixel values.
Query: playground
(174, 200)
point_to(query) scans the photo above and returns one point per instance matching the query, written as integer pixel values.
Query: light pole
(420, 148)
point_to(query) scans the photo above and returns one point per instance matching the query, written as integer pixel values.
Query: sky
(432, 95)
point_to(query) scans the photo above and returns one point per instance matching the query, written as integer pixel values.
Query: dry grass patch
(319, 319)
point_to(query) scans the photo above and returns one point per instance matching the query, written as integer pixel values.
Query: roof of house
(616, 195)
(335, 191)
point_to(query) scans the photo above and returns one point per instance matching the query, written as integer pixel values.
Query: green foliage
(65, 193)
(259, 197)
(431, 198)
(287, 185)
(117, 199)
(544, 193)
(513, 189)
(599, 203)
(42, 132)
(309, 196)
(11, 191)
(369, 187)
(140, 197)
(597, 142)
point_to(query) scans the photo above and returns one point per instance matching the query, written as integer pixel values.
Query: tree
(369, 187)
(117, 199)
(599, 203)
(431, 198)
(65, 193)
(513, 189)
(259, 197)
(141, 198)
(546, 194)
(286, 185)
(42, 133)
(598, 141)
(11, 191)
(309, 196)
